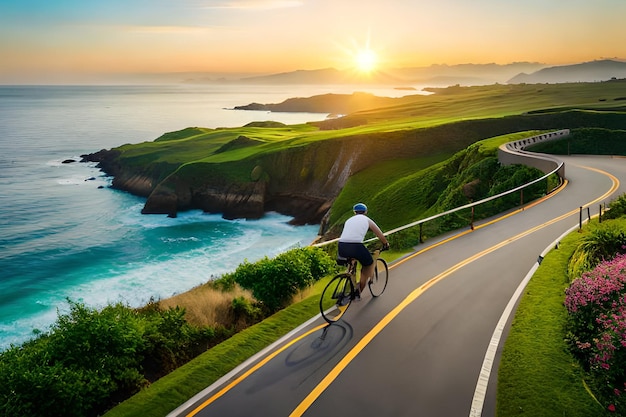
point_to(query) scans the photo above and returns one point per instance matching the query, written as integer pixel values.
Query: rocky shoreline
(233, 200)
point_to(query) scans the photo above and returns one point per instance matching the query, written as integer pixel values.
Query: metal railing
(559, 170)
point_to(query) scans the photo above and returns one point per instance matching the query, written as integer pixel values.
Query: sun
(366, 60)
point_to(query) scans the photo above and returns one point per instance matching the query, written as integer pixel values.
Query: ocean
(65, 234)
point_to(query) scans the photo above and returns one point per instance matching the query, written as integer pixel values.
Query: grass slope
(537, 374)
(421, 128)
(446, 105)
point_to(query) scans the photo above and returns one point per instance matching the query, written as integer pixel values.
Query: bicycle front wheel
(378, 283)
(336, 298)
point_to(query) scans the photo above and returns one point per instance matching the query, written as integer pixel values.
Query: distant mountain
(592, 71)
(438, 75)
(323, 76)
(431, 76)
(442, 75)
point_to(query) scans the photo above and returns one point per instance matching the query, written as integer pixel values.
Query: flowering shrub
(595, 293)
(596, 303)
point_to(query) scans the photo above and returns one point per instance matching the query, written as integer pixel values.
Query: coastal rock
(252, 106)
(104, 157)
(138, 180)
(162, 202)
(325, 103)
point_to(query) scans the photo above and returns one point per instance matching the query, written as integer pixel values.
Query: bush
(600, 243)
(274, 282)
(90, 359)
(244, 313)
(617, 208)
(169, 341)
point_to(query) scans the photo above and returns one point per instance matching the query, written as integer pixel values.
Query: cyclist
(351, 242)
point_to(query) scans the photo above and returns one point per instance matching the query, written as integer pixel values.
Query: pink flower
(611, 408)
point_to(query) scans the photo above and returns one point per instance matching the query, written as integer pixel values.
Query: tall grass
(206, 305)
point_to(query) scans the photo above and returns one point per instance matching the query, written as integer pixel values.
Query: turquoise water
(65, 234)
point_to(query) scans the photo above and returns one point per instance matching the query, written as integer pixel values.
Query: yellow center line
(334, 373)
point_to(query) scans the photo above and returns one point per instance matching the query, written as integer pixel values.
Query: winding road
(430, 345)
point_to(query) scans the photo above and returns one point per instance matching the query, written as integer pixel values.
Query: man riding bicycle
(351, 242)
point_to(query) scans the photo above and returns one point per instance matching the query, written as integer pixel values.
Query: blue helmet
(359, 208)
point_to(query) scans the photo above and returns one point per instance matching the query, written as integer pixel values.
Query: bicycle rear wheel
(378, 283)
(336, 297)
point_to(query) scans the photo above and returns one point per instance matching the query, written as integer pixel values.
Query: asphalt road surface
(429, 346)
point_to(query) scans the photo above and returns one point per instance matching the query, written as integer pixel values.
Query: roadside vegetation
(566, 348)
(169, 350)
(91, 359)
(565, 351)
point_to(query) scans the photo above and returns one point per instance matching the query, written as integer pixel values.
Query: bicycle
(341, 290)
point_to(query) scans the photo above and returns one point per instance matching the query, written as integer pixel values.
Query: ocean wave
(62, 236)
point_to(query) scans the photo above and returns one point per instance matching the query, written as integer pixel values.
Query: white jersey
(355, 228)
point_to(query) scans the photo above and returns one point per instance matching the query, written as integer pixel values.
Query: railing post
(521, 197)
(472, 219)
(600, 213)
(580, 218)
(421, 239)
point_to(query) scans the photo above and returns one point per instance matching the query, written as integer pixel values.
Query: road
(423, 348)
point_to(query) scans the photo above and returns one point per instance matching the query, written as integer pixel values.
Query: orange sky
(70, 40)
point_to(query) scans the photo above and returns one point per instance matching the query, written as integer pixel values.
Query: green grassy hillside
(380, 156)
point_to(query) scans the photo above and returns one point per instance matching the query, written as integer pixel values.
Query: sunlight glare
(366, 60)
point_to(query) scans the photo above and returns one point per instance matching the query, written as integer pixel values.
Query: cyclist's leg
(367, 268)
(361, 253)
(367, 272)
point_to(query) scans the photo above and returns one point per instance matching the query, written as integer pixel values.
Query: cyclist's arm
(374, 228)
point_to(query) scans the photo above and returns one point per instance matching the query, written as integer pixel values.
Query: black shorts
(357, 251)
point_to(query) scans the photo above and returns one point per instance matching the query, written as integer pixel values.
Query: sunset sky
(56, 41)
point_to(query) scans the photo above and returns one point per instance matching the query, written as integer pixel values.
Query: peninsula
(303, 170)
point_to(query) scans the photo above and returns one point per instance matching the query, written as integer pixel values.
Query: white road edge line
(485, 371)
(244, 365)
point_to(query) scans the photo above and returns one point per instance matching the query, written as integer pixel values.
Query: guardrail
(509, 153)
(515, 153)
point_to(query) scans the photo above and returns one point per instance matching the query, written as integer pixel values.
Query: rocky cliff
(300, 181)
(246, 177)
